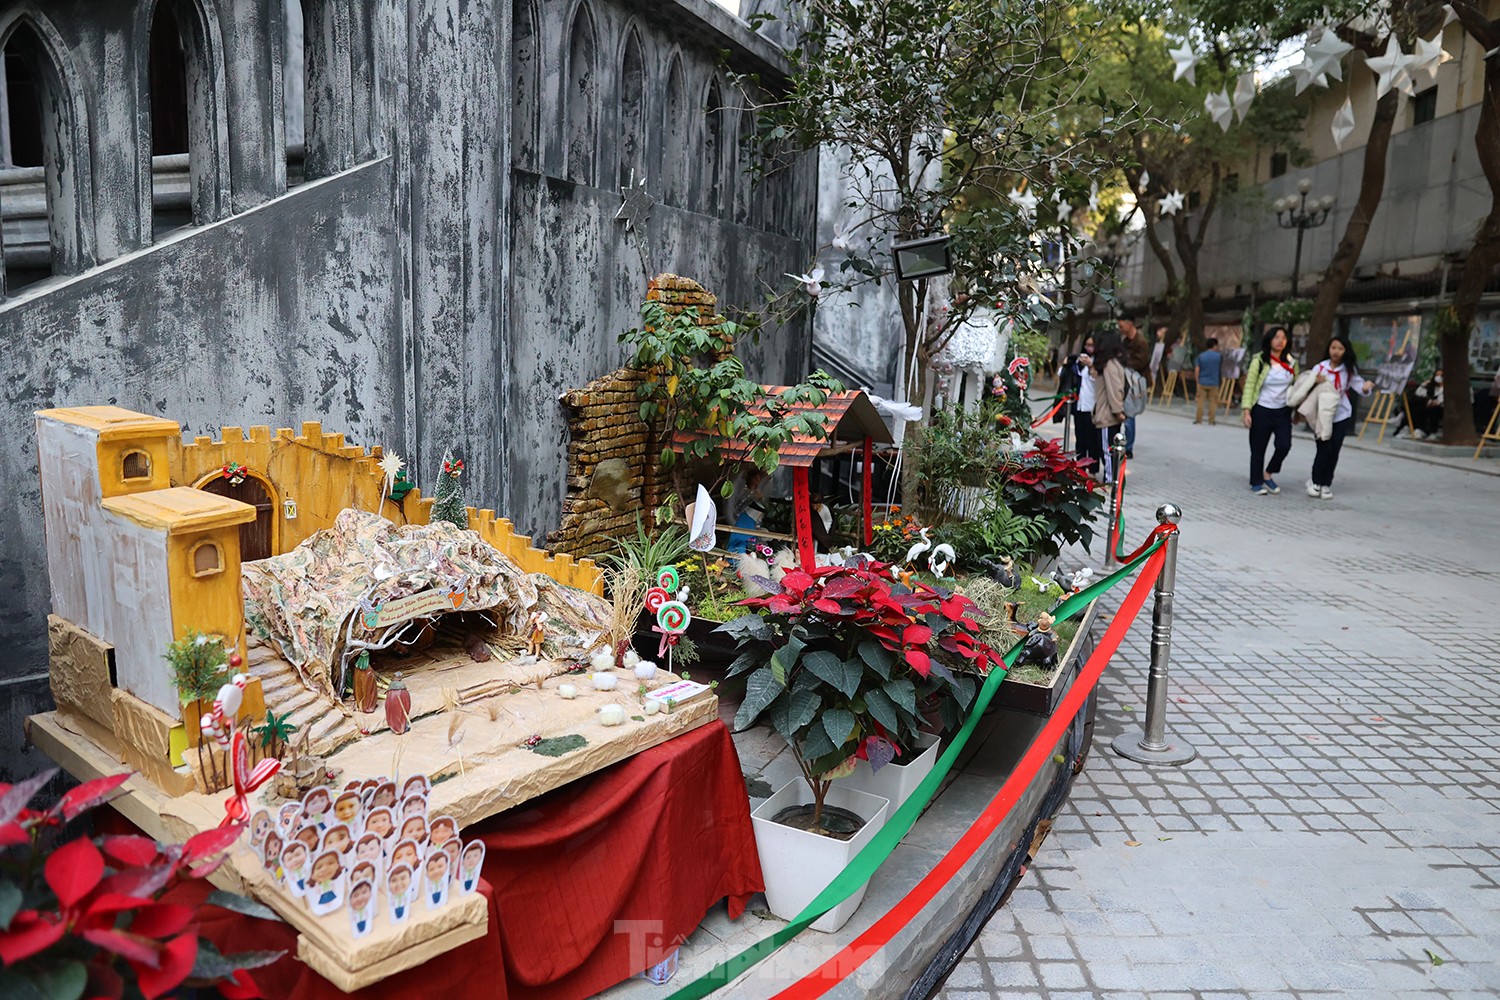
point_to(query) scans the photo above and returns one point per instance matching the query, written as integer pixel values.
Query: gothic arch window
(714, 141)
(294, 93)
(581, 100)
(183, 131)
(674, 138)
(44, 173)
(746, 180)
(632, 137)
(526, 66)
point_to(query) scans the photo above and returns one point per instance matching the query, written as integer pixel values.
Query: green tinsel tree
(448, 502)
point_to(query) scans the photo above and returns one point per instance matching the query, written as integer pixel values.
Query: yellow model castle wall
(211, 603)
(583, 574)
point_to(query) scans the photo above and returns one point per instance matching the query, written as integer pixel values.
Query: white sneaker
(1326, 492)
(1419, 435)
(1314, 491)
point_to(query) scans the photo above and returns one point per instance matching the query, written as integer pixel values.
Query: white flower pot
(898, 779)
(798, 865)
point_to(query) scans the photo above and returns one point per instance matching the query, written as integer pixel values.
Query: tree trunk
(1371, 187)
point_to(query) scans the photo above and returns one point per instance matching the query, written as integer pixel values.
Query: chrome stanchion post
(1151, 744)
(1116, 451)
(1067, 424)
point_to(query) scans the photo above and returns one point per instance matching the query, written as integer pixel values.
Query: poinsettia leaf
(29, 933)
(10, 903)
(176, 964)
(134, 948)
(880, 706)
(210, 965)
(101, 903)
(828, 606)
(73, 870)
(919, 661)
(903, 692)
(796, 582)
(839, 724)
(160, 920)
(941, 669)
(751, 626)
(748, 660)
(239, 985)
(18, 796)
(878, 657)
(65, 981)
(816, 744)
(784, 659)
(916, 635)
(145, 881)
(802, 708)
(211, 842)
(236, 903)
(90, 794)
(879, 752)
(760, 690)
(827, 667)
(12, 834)
(129, 849)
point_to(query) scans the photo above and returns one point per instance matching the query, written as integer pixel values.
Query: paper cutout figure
(346, 809)
(1343, 124)
(414, 828)
(381, 824)
(1390, 69)
(289, 817)
(1172, 203)
(442, 829)
(362, 908)
(417, 784)
(337, 838)
(702, 515)
(260, 827)
(367, 790)
(435, 879)
(413, 805)
(385, 795)
(325, 886)
(294, 866)
(364, 871)
(1185, 62)
(406, 853)
(370, 847)
(398, 886)
(1244, 94)
(470, 866)
(315, 807)
(1220, 109)
(310, 837)
(270, 854)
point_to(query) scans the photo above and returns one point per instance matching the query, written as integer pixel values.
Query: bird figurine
(1040, 645)
(1002, 571)
(1081, 579)
(918, 548)
(940, 558)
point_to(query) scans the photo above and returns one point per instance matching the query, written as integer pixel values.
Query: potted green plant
(837, 663)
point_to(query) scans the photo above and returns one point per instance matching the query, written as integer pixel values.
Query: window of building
(182, 123)
(582, 100)
(1424, 106)
(135, 465)
(744, 178)
(632, 142)
(713, 149)
(526, 65)
(207, 559)
(1231, 183)
(1278, 164)
(1194, 199)
(294, 94)
(674, 138)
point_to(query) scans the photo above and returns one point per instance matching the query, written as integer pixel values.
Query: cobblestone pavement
(1335, 665)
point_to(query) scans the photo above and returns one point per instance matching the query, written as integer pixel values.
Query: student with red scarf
(1266, 412)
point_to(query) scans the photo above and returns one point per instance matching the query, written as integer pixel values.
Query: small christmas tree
(198, 665)
(448, 502)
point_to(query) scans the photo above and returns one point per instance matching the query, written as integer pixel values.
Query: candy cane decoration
(246, 780)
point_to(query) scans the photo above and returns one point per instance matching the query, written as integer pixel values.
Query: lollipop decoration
(668, 580)
(672, 620)
(655, 598)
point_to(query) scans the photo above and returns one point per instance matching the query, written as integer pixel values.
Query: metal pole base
(1131, 745)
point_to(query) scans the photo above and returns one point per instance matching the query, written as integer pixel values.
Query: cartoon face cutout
(435, 879)
(398, 893)
(346, 809)
(337, 839)
(370, 848)
(260, 826)
(470, 865)
(315, 806)
(385, 795)
(363, 872)
(416, 785)
(294, 865)
(413, 805)
(325, 887)
(289, 816)
(362, 907)
(442, 830)
(415, 828)
(451, 849)
(310, 836)
(406, 853)
(380, 823)
(270, 852)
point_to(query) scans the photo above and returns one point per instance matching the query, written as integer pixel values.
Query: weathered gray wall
(410, 299)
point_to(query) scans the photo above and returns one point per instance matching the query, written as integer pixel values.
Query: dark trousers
(1085, 439)
(1106, 437)
(1266, 423)
(1327, 458)
(1429, 418)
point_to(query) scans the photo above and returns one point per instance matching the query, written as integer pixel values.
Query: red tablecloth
(588, 885)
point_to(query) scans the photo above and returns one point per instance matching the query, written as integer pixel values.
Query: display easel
(1491, 435)
(1169, 389)
(1383, 410)
(1227, 389)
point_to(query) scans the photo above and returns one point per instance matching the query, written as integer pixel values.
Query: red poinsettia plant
(83, 917)
(840, 659)
(1050, 483)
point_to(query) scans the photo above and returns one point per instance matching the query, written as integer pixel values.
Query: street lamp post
(1296, 212)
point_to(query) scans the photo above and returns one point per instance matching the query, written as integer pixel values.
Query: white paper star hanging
(1172, 203)
(1390, 69)
(1449, 14)
(1025, 201)
(1325, 56)
(1244, 93)
(1094, 197)
(1220, 109)
(636, 208)
(1343, 124)
(1426, 56)
(1305, 77)
(1184, 62)
(1145, 180)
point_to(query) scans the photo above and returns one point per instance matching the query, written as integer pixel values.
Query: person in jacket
(1134, 353)
(1265, 411)
(1108, 373)
(1074, 378)
(1427, 408)
(1339, 367)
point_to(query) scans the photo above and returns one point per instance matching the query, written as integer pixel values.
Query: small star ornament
(391, 465)
(1343, 124)
(1220, 109)
(1304, 76)
(1172, 203)
(1324, 57)
(1244, 93)
(1426, 56)
(1390, 69)
(637, 206)
(1025, 201)
(1184, 62)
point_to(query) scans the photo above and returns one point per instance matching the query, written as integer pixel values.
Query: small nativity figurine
(536, 632)
(1040, 645)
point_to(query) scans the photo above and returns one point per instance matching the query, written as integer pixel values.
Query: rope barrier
(1039, 421)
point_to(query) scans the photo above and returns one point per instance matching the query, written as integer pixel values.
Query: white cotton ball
(603, 659)
(567, 691)
(604, 681)
(631, 658)
(651, 707)
(611, 715)
(645, 670)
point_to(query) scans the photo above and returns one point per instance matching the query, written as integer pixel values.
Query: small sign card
(678, 692)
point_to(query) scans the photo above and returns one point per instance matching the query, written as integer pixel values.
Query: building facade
(397, 217)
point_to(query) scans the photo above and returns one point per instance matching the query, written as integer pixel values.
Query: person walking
(1134, 353)
(1339, 366)
(1108, 373)
(1206, 373)
(1074, 377)
(1265, 410)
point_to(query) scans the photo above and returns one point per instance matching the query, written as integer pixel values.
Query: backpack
(1135, 393)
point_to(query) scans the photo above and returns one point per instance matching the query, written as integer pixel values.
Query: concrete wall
(423, 292)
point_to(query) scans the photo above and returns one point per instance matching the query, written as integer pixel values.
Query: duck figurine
(1002, 571)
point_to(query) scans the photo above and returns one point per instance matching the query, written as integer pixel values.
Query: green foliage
(556, 746)
(1288, 312)
(1031, 344)
(199, 665)
(642, 554)
(697, 385)
(992, 531)
(961, 447)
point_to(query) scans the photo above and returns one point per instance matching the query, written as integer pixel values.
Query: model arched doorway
(257, 537)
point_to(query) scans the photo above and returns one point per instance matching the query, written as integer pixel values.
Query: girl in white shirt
(1341, 368)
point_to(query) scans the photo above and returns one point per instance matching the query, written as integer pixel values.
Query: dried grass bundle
(627, 591)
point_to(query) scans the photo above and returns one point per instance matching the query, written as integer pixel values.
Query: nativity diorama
(278, 628)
